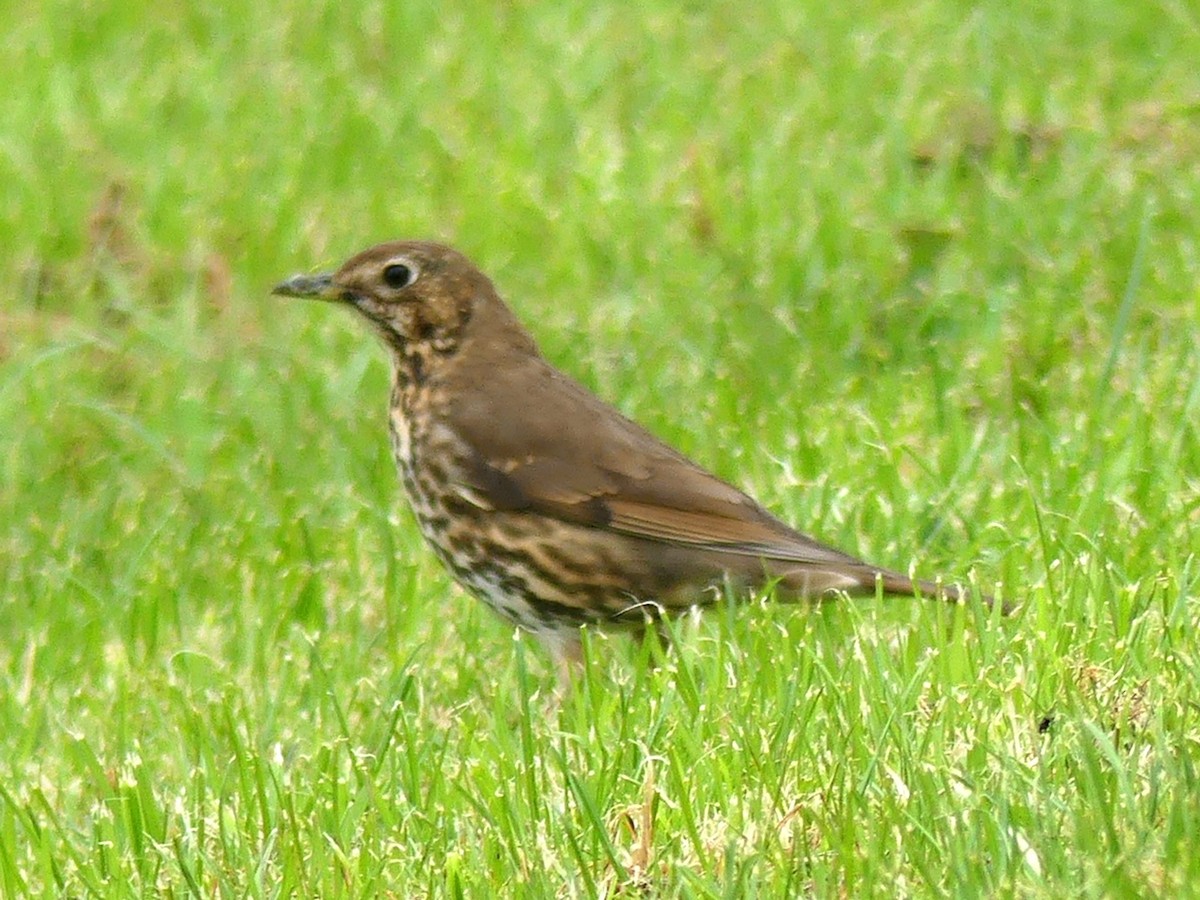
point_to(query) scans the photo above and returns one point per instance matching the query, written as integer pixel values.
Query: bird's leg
(566, 648)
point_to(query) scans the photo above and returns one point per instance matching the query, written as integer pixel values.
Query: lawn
(924, 278)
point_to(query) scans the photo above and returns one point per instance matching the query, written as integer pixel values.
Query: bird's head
(420, 297)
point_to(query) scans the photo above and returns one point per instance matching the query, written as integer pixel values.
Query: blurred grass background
(923, 278)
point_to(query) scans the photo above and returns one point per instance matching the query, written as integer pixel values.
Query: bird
(541, 499)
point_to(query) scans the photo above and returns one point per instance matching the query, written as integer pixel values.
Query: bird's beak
(318, 287)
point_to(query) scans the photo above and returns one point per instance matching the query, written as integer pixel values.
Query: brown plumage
(540, 498)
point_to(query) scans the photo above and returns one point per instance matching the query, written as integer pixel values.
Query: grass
(922, 278)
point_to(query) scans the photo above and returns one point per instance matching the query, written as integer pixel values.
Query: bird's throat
(413, 363)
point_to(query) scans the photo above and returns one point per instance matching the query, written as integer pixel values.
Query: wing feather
(566, 454)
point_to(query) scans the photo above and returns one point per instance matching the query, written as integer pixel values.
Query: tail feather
(813, 582)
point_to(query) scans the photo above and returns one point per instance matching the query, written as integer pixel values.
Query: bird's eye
(398, 275)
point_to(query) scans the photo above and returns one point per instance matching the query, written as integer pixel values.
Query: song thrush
(541, 499)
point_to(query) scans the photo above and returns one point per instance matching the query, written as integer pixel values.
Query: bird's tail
(862, 579)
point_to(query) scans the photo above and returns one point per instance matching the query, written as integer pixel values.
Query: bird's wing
(566, 454)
